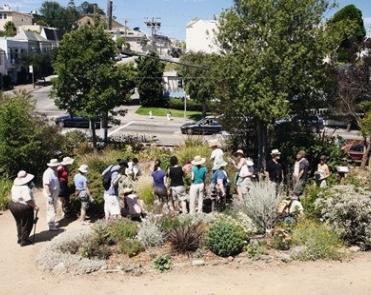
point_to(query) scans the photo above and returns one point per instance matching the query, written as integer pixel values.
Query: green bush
(311, 194)
(122, 229)
(317, 239)
(188, 152)
(178, 104)
(226, 239)
(27, 142)
(5, 187)
(168, 223)
(91, 248)
(76, 143)
(187, 237)
(255, 250)
(162, 263)
(130, 247)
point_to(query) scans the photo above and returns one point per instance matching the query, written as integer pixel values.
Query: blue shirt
(199, 174)
(219, 175)
(80, 182)
(158, 178)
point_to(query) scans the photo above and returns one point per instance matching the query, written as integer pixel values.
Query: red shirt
(62, 174)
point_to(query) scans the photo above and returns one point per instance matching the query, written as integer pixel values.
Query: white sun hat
(53, 163)
(275, 152)
(84, 168)
(67, 161)
(23, 178)
(198, 160)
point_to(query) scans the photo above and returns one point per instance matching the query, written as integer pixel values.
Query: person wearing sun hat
(217, 153)
(219, 179)
(22, 206)
(64, 193)
(244, 171)
(82, 190)
(196, 191)
(274, 170)
(51, 189)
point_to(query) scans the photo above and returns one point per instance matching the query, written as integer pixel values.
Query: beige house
(90, 20)
(18, 18)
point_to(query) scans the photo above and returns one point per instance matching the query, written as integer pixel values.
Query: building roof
(29, 36)
(91, 17)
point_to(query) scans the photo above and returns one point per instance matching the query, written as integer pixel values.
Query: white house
(18, 18)
(201, 36)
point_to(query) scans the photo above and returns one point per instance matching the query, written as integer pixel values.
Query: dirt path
(19, 275)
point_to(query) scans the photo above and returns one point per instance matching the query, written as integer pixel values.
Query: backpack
(107, 178)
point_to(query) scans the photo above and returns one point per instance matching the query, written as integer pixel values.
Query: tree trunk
(262, 130)
(93, 134)
(104, 125)
(366, 152)
(204, 109)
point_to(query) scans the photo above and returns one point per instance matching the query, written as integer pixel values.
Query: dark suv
(206, 126)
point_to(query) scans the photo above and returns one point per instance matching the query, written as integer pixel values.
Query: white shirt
(21, 194)
(50, 178)
(217, 155)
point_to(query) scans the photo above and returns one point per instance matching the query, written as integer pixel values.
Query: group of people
(180, 189)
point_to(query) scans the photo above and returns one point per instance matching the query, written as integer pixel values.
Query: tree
(88, 83)
(272, 62)
(58, 16)
(9, 29)
(150, 80)
(120, 41)
(27, 142)
(90, 8)
(353, 38)
(366, 131)
(41, 62)
(198, 76)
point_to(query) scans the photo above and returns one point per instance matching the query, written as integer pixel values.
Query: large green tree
(273, 62)
(150, 80)
(353, 37)
(89, 83)
(197, 70)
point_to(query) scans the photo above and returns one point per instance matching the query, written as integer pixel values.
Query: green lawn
(162, 112)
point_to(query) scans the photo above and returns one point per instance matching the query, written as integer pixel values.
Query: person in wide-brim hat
(198, 160)
(214, 143)
(239, 153)
(275, 152)
(84, 169)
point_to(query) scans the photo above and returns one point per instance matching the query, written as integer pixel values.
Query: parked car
(315, 123)
(74, 122)
(207, 126)
(355, 152)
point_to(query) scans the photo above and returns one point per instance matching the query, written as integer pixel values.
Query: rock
(297, 251)
(354, 249)
(60, 269)
(285, 258)
(198, 262)
(230, 259)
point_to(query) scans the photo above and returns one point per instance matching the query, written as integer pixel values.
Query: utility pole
(109, 14)
(153, 23)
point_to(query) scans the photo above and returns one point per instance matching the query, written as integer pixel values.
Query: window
(5, 16)
(1, 16)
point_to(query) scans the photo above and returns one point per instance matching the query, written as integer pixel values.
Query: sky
(174, 14)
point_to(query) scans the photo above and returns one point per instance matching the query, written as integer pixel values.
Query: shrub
(167, 223)
(150, 234)
(318, 241)
(92, 248)
(187, 237)
(178, 104)
(144, 189)
(255, 250)
(101, 232)
(311, 194)
(261, 205)
(130, 247)
(187, 152)
(5, 187)
(76, 143)
(162, 263)
(27, 142)
(348, 210)
(122, 229)
(226, 239)
(281, 238)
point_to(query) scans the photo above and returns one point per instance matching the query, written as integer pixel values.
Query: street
(166, 132)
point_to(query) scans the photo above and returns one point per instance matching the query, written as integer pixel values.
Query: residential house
(53, 35)
(18, 18)
(135, 40)
(201, 36)
(91, 19)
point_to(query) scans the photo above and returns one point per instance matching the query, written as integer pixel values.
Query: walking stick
(35, 223)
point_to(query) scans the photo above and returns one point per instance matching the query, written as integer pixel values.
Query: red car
(355, 151)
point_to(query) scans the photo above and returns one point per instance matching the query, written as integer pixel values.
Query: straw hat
(198, 160)
(239, 152)
(23, 178)
(275, 152)
(128, 190)
(84, 168)
(219, 164)
(53, 163)
(67, 161)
